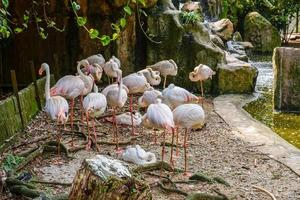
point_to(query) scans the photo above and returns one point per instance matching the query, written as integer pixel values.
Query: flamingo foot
(187, 174)
(119, 150)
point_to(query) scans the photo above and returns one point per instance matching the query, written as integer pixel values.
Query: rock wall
(286, 65)
(10, 121)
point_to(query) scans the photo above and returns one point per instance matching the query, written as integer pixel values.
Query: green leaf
(143, 12)
(142, 2)
(93, 33)
(25, 18)
(75, 6)
(37, 19)
(115, 36)
(122, 22)
(81, 21)
(18, 30)
(105, 40)
(5, 3)
(127, 9)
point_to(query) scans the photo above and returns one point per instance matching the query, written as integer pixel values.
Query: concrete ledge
(10, 121)
(230, 108)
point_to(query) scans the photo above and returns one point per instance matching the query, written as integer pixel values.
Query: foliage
(278, 12)
(11, 162)
(189, 17)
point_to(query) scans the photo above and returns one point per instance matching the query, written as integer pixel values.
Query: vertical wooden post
(297, 21)
(16, 92)
(37, 94)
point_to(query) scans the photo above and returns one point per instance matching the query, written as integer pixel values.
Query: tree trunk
(89, 185)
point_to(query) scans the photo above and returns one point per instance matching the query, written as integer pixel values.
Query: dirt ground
(213, 150)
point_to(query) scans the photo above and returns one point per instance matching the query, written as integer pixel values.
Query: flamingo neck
(47, 84)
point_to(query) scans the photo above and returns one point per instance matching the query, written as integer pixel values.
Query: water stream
(287, 125)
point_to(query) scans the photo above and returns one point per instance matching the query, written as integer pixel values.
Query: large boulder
(223, 28)
(236, 76)
(286, 65)
(261, 33)
(187, 44)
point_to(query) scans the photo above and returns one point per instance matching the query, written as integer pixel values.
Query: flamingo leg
(118, 150)
(72, 121)
(165, 81)
(131, 110)
(88, 145)
(95, 135)
(177, 141)
(185, 152)
(202, 93)
(171, 158)
(113, 125)
(58, 138)
(163, 150)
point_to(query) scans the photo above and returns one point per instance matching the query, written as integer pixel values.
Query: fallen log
(155, 166)
(103, 177)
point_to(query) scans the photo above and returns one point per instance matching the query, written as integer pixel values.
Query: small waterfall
(264, 80)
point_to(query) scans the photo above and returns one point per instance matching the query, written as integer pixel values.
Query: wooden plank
(16, 93)
(33, 76)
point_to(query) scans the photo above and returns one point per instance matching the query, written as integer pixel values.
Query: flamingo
(201, 73)
(137, 155)
(94, 104)
(149, 97)
(114, 58)
(56, 107)
(136, 83)
(98, 59)
(110, 68)
(160, 116)
(71, 87)
(125, 119)
(174, 96)
(188, 116)
(165, 67)
(116, 98)
(153, 77)
(94, 69)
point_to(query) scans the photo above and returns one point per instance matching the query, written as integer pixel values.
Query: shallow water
(287, 125)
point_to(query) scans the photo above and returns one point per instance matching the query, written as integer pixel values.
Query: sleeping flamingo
(71, 87)
(160, 116)
(94, 104)
(110, 68)
(201, 73)
(174, 96)
(96, 59)
(188, 116)
(153, 77)
(149, 97)
(136, 83)
(56, 107)
(116, 98)
(166, 68)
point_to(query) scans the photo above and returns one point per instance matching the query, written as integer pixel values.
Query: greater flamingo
(125, 119)
(110, 68)
(153, 77)
(94, 69)
(166, 68)
(73, 86)
(116, 98)
(96, 59)
(137, 155)
(136, 83)
(94, 104)
(160, 116)
(201, 73)
(174, 96)
(56, 107)
(188, 116)
(150, 96)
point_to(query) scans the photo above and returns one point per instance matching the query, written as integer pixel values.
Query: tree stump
(103, 177)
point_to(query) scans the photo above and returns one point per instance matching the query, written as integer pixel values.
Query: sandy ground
(213, 150)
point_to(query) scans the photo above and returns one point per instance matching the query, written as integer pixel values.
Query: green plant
(11, 162)
(189, 17)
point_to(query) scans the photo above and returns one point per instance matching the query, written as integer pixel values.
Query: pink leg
(113, 125)
(185, 153)
(88, 145)
(163, 149)
(72, 121)
(118, 149)
(171, 158)
(58, 139)
(131, 110)
(95, 135)
(177, 141)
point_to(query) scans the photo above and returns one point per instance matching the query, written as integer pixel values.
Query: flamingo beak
(41, 71)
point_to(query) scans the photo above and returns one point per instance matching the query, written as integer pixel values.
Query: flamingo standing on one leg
(188, 116)
(94, 104)
(160, 116)
(136, 83)
(56, 106)
(174, 96)
(111, 66)
(201, 73)
(153, 77)
(116, 98)
(165, 67)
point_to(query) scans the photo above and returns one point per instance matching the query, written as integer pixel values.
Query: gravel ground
(213, 150)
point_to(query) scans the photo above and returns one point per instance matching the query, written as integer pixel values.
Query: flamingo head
(97, 72)
(119, 76)
(43, 68)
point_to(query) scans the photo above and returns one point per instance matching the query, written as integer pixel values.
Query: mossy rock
(261, 33)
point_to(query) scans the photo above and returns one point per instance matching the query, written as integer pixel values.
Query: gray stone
(261, 33)
(237, 37)
(223, 28)
(286, 65)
